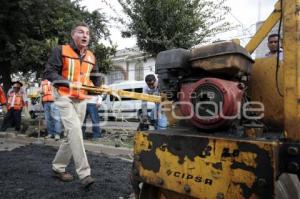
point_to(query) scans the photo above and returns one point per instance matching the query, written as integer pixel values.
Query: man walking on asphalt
(72, 65)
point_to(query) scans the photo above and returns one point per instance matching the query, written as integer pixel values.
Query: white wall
(127, 60)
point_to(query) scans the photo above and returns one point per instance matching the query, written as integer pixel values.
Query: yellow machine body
(182, 162)
(205, 166)
(263, 88)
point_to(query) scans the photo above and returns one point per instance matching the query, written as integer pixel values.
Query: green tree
(30, 28)
(164, 24)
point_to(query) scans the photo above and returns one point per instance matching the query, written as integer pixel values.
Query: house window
(115, 76)
(139, 71)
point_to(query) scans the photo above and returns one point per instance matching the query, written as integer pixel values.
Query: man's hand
(4, 109)
(26, 113)
(144, 123)
(104, 86)
(144, 119)
(99, 101)
(76, 85)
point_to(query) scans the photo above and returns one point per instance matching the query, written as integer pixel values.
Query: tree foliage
(30, 28)
(164, 24)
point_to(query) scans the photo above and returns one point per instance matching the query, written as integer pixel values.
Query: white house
(130, 64)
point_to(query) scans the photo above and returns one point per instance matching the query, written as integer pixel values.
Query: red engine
(211, 102)
(207, 82)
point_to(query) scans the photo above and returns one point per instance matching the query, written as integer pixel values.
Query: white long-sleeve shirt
(150, 91)
(95, 99)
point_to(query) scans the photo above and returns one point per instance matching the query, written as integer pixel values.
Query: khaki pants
(72, 115)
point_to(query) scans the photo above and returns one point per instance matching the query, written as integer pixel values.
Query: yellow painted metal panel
(291, 46)
(262, 88)
(207, 175)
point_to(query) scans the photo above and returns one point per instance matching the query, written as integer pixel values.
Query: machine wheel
(148, 192)
(287, 187)
(111, 118)
(152, 192)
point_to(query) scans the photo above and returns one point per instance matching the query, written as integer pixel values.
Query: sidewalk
(10, 140)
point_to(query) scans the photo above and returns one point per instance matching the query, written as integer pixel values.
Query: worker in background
(273, 43)
(92, 111)
(16, 101)
(157, 117)
(68, 66)
(3, 100)
(52, 115)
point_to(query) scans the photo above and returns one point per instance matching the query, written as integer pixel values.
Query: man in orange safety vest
(69, 65)
(51, 111)
(15, 103)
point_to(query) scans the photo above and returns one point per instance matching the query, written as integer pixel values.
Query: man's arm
(95, 76)
(144, 104)
(25, 99)
(53, 68)
(2, 97)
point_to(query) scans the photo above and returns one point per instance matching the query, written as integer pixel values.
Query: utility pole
(259, 11)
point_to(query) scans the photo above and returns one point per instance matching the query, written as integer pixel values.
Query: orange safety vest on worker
(76, 70)
(15, 101)
(47, 91)
(2, 96)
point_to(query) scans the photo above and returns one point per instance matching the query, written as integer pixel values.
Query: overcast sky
(243, 12)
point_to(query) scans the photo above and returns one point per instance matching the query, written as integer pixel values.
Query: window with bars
(139, 71)
(115, 76)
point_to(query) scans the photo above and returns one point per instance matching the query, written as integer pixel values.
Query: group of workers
(70, 66)
(17, 100)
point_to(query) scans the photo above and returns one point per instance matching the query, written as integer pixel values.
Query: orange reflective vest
(2, 96)
(47, 91)
(18, 102)
(76, 70)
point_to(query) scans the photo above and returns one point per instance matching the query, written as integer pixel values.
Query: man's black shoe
(64, 176)
(87, 182)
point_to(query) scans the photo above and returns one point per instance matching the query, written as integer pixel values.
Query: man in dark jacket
(68, 66)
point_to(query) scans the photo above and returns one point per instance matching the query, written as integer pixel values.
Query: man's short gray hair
(79, 23)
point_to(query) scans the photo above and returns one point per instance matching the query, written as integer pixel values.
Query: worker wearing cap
(15, 103)
(70, 65)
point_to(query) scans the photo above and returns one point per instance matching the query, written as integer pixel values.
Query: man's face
(151, 84)
(273, 44)
(16, 87)
(81, 37)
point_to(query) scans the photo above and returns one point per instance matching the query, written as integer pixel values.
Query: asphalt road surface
(25, 172)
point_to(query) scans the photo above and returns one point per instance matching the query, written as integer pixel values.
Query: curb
(121, 152)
